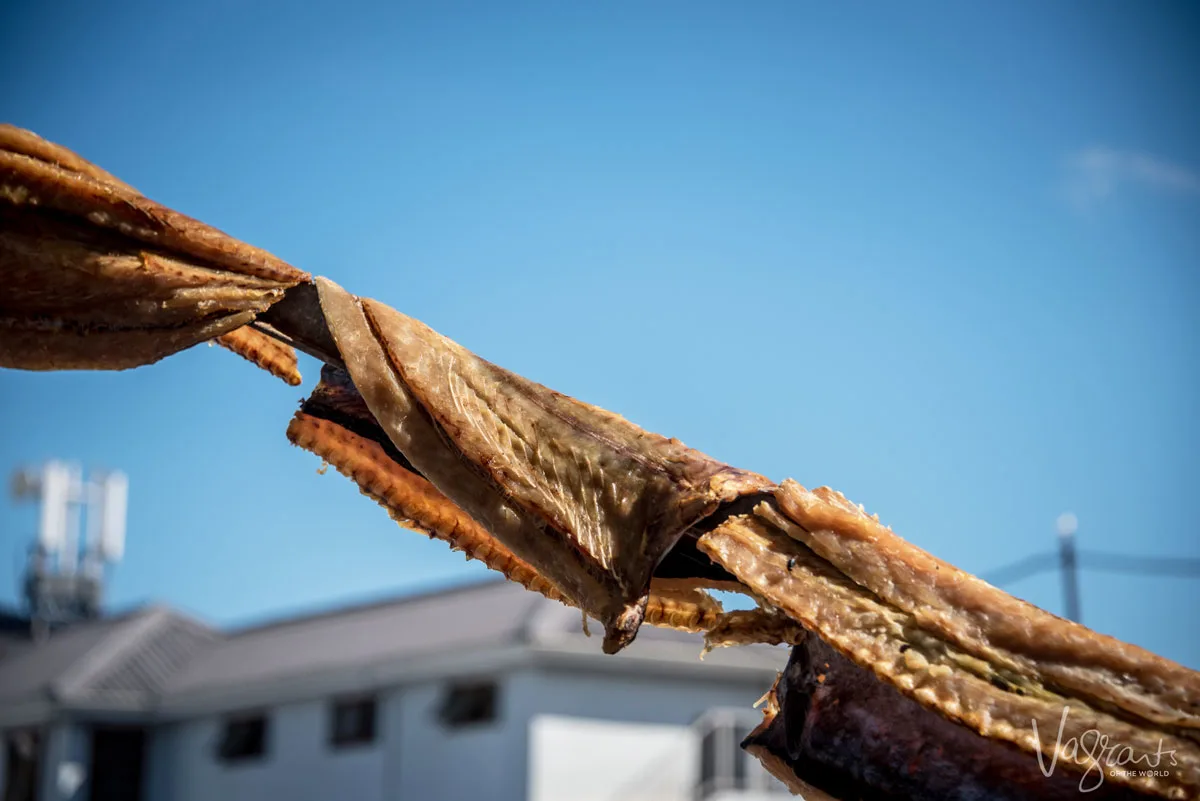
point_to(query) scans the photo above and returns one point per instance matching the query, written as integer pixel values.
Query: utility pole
(1068, 524)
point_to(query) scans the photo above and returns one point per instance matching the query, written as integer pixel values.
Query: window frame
(456, 712)
(366, 735)
(229, 724)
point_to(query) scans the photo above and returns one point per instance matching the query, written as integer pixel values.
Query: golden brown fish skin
(96, 276)
(30, 182)
(27, 143)
(415, 503)
(265, 351)
(416, 437)
(75, 301)
(988, 622)
(588, 499)
(891, 643)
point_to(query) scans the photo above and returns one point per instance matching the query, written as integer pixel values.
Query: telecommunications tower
(65, 578)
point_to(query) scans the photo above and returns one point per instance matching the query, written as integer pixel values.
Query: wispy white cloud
(1096, 174)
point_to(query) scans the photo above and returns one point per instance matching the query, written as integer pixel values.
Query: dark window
(244, 737)
(118, 756)
(23, 752)
(352, 722)
(469, 704)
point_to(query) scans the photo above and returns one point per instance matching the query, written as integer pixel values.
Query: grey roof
(155, 654)
(163, 645)
(121, 659)
(491, 613)
(34, 669)
(14, 633)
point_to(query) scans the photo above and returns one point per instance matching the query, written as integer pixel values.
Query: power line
(1102, 561)
(1182, 567)
(1069, 560)
(1023, 568)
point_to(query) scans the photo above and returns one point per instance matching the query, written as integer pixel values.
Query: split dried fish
(832, 731)
(967, 678)
(589, 500)
(498, 447)
(908, 678)
(97, 276)
(335, 424)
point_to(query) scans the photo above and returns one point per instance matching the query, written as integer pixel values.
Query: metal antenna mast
(64, 581)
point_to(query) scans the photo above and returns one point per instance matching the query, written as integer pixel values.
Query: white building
(484, 692)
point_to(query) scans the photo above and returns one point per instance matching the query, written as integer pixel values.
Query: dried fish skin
(983, 697)
(832, 725)
(587, 499)
(72, 303)
(28, 180)
(27, 143)
(415, 436)
(985, 621)
(615, 497)
(96, 276)
(335, 424)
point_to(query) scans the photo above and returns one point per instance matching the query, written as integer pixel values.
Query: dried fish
(832, 730)
(1030, 644)
(591, 501)
(336, 424)
(964, 683)
(908, 678)
(97, 276)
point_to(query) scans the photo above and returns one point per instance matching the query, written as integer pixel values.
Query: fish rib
(410, 499)
(753, 627)
(267, 352)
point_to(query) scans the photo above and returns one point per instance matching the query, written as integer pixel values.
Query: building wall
(299, 763)
(649, 755)
(416, 756)
(433, 762)
(66, 746)
(496, 761)
(630, 697)
(584, 759)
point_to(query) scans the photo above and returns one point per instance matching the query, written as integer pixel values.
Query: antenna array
(65, 575)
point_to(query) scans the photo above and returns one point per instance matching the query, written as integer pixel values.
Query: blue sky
(941, 258)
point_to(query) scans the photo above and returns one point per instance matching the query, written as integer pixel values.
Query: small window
(352, 722)
(243, 738)
(469, 704)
